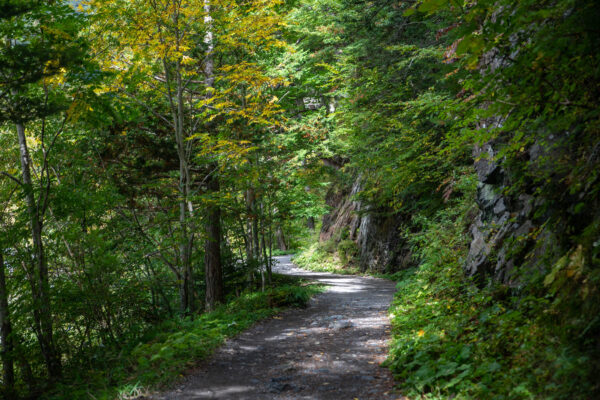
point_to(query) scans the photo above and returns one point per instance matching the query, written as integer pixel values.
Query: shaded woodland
(156, 155)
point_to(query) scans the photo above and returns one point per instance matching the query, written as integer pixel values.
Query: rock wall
(502, 228)
(344, 213)
(375, 231)
(507, 230)
(381, 246)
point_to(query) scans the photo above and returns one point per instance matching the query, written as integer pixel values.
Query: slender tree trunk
(25, 369)
(263, 265)
(41, 287)
(7, 350)
(213, 273)
(251, 255)
(185, 206)
(182, 272)
(175, 92)
(256, 242)
(270, 268)
(310, 221)
(265, 255)
(212, 253)
(280, 239)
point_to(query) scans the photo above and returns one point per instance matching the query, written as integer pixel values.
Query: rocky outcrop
(501, 231)
(375, 231)
(381, 246)
(343, 214)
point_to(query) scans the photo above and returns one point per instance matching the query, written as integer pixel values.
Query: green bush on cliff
(453, 339)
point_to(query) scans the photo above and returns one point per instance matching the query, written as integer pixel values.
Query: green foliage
(40, 50)
(165, 351)
(347, 250)
(451, 339)
(402, 92)
(318, 257)
(420, 84)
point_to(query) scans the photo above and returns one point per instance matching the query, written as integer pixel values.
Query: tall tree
(7, 350)
(213, 273)
(39, 45)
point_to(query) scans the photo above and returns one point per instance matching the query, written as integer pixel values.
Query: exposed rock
(381, 247)
(500, 218)
(343, 213)
(337, 325)
(375, 231)
(487, 169)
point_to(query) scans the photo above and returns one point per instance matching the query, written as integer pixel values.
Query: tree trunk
(7, 350)
(212, 252)
(213, 273)
(251, 255)
(185, 206)
(255, 235)
(265, 255)
(40, 287)
(310, 223)
(280, 239)
(26, 372)
(270, 264)
(175, 95)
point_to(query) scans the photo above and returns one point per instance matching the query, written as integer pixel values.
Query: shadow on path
(330, 350)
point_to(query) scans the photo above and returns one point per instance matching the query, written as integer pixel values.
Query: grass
(317, 257)
(277, 252)
(164, 354)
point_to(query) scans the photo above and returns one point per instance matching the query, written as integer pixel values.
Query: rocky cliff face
(375, 231)
(506, 232)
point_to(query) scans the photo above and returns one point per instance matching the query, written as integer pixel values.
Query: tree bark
(265, 255)
(212, 253)
(185, 206)
(7, 351)
(40, 286)
(213, 273)
(280, 239)
(177, 107)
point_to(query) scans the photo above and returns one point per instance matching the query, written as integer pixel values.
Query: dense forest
(156, 154)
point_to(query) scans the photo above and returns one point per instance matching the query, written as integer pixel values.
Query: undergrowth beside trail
(455, 339)
(452, 339)
(163, 354)
(317, 257)
(337, 255)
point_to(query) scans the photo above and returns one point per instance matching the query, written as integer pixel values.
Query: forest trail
(330, 350)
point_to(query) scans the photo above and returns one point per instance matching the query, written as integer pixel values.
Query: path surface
(330, 350)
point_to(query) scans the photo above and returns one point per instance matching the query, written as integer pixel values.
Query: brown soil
(330, 350)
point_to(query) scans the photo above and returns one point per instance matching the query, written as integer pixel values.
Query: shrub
(347, 250)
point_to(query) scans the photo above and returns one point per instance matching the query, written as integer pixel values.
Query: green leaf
(430, 6)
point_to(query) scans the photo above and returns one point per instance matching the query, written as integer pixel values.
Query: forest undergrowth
(154, 156)
(454, 338)
(167, 351)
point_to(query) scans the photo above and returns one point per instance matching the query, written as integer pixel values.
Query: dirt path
(330, 350)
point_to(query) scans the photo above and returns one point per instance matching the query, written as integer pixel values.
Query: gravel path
(330, 350)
